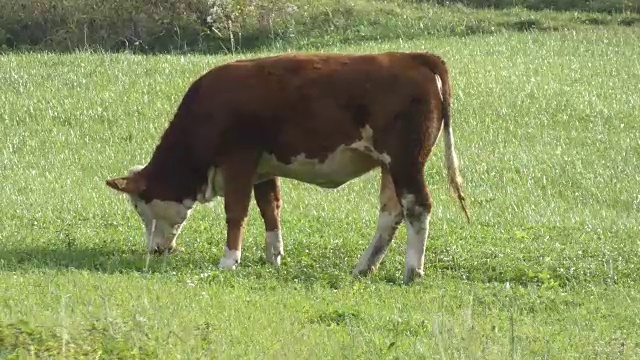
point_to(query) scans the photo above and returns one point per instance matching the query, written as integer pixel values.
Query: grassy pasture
(547, 130)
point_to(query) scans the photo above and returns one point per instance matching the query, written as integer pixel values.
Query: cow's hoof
(230, 259)
(168, 251)
(228, 264)
(274, 256)
(274, 248)
(412, 274)
(361, 271)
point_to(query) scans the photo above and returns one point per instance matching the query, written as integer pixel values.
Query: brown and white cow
(323, 119)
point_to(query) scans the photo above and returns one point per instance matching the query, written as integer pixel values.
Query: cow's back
(311, 104)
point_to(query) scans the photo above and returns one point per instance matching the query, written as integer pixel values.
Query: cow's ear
(132, 184)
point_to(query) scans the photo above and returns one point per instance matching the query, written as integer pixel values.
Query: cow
(322, 119)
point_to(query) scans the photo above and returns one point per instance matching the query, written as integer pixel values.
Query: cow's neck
(171, 167)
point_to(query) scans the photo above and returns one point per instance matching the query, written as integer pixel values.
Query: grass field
(547, 130)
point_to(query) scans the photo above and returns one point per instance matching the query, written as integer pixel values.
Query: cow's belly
(344, 164)
(341, 166)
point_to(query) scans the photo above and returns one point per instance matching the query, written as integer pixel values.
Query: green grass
(546, 127)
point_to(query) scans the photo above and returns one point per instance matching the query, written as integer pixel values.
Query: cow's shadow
(116, 260)
(103, 260)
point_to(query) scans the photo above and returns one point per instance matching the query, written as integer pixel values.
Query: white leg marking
(389, 218)
(230, 259)
(417, 222)
(417, 231)
(370, 259)
(274, 247)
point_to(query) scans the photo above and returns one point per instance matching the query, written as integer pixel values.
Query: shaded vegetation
(213, 26)
(603, 6)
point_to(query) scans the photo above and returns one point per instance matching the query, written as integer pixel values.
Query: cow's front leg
(238, 172)
(267, 195)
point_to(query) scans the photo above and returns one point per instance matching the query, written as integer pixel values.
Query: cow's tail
(438, 67)
(450, 157)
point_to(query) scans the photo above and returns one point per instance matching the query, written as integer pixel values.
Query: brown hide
(343, 115)
(293, 104)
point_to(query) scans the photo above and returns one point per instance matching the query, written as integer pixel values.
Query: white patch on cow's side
(439, 83)
(163, 221)
(344, 164)
(366, 145)
(214, 187)
(417, 230)
(230, 259)
(274, 247)
(208, 194)
(371, 257)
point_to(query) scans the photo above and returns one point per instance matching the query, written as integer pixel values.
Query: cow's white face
(162, 220)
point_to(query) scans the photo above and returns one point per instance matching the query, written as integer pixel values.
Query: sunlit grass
(546, 127)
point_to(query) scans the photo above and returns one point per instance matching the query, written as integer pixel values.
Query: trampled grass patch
(546, 128)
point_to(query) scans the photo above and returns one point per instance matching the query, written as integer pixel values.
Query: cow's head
(162, 219)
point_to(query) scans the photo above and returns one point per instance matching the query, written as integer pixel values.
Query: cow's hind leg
(414, 137)
(267, 196)
(389, 218)
(416, 207)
